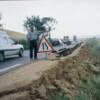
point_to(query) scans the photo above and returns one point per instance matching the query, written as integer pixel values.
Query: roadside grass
(57, 96)
(94, 46)
(90, 90)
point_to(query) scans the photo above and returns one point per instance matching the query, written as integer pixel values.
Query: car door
(11, 48)
(3, 43)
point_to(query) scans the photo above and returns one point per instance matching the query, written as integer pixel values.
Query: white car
(58, 45)
(8, 47)
(61, 48)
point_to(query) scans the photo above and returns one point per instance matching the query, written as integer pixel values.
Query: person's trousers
(33, 45)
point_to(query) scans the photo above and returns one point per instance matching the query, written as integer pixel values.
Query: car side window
(56, 43)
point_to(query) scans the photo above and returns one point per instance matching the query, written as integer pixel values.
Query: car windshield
(3, 41)
(10, 41)
(55, 42)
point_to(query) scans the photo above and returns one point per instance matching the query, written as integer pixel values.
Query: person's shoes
(31, 60)
(35, 59)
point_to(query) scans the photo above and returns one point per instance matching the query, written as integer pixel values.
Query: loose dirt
(37, 80)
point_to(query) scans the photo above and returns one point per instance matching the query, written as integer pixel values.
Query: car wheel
(20, 53)
(2, 57)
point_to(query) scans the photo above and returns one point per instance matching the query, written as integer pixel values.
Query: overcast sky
(80, 17)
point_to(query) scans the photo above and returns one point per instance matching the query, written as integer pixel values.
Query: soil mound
(63, 79)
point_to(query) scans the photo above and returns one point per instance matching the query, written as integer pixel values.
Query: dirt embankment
(63, 78)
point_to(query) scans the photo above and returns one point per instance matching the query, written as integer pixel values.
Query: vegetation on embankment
(90, 90)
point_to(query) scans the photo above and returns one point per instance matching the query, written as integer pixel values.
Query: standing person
(32, 37)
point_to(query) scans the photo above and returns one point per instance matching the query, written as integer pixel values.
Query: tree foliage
(41, 24)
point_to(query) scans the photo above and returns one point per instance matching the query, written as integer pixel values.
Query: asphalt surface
(14, 62)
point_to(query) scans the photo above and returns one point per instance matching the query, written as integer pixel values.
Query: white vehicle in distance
(62, 48)
(8, 47)
(71, 45)
(58, 46)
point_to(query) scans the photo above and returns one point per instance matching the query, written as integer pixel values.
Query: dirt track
(24, 75)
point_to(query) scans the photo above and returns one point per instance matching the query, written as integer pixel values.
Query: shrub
(82, 96)
(96, 50)
(94, 46)
(92, 41)
(57, 96)
(90, 90)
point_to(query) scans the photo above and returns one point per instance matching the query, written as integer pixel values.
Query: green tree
(45, 24)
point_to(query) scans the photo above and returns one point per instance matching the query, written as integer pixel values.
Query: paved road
(14, 62)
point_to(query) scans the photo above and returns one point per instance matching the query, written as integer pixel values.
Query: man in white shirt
(32, 37)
